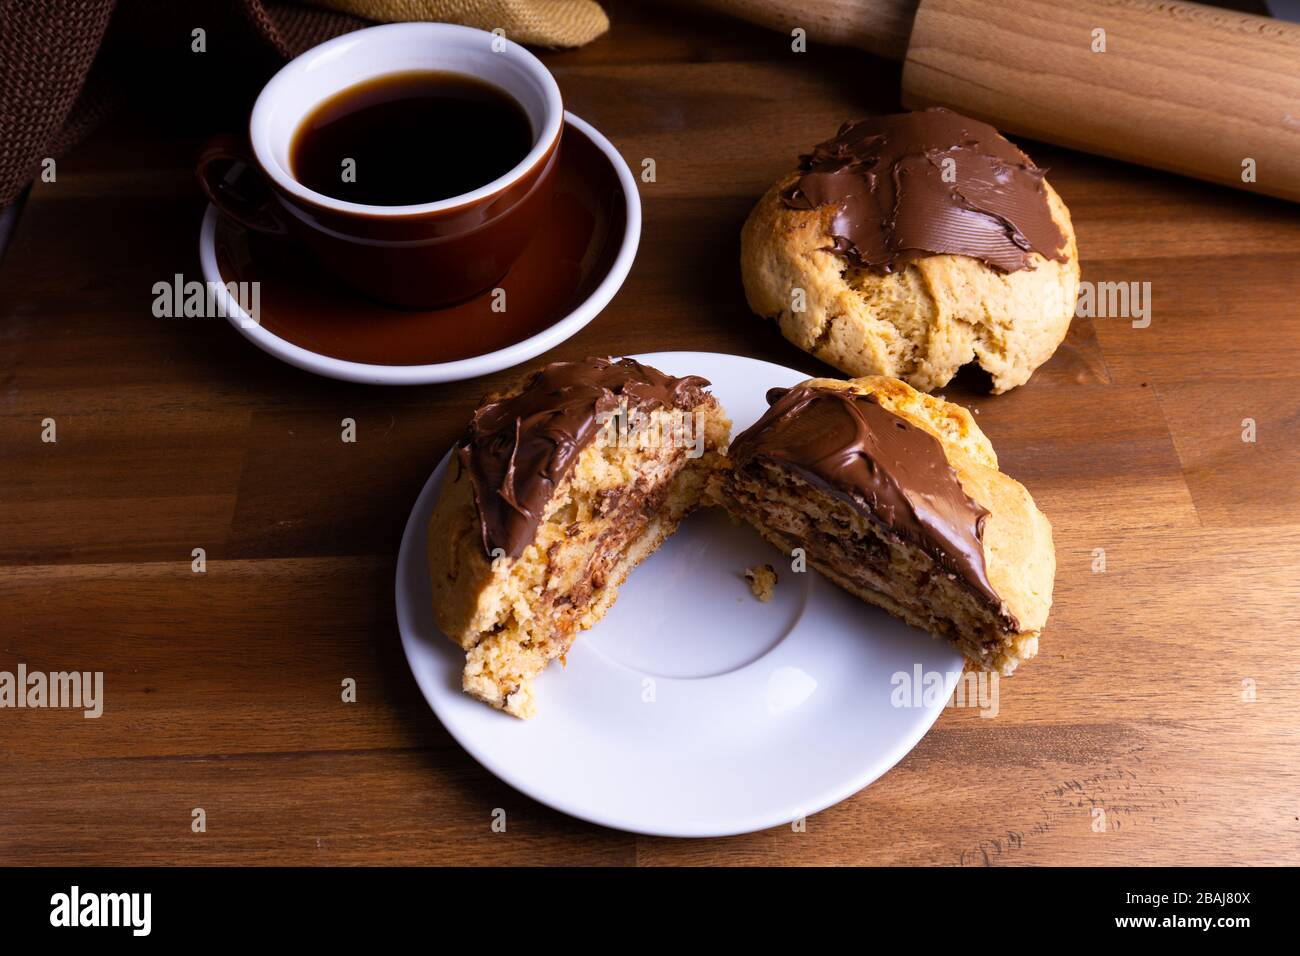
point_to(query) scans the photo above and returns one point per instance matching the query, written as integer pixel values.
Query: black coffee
(409, 138)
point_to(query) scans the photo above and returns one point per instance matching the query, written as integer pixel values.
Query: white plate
(693, 709)
(455, 371)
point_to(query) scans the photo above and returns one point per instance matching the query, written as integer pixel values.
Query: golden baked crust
(919, 324)
(1019, 556)
(615, 508)
(762, 580)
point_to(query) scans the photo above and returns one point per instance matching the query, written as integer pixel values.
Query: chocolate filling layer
(854, 449)
(931, 182)
(628, 513)
(518, 450)
(865, 555)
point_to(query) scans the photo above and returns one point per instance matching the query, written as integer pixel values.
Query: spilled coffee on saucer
(409, 138)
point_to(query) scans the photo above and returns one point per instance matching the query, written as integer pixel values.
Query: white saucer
(565, 326)
(693, 709)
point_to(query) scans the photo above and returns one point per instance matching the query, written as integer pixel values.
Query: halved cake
(558, 489)
(896, 496)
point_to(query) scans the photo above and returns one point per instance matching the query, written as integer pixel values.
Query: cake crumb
(762, 581)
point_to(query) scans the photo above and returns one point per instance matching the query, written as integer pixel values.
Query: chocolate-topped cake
(897, 498)
(932, 182)
(557, 489)
(911, 245)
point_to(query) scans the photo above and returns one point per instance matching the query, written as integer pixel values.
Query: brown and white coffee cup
(417, 256)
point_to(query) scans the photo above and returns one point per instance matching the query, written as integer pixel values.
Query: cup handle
(232, 182)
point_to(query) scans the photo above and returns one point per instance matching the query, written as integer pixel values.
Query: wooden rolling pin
(1180, 86)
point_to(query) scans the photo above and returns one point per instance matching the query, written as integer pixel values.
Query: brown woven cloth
(66, 64)
(46, 51)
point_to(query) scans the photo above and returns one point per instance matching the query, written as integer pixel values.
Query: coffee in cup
(414, 159)
(407, 138)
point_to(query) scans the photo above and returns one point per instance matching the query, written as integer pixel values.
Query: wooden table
(223, 688)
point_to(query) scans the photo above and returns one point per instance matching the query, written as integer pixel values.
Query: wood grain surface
(1165, 693)
(1186, 87)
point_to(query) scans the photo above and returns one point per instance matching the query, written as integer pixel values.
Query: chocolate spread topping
(884, 466)
(914, 184)
(518, 450)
